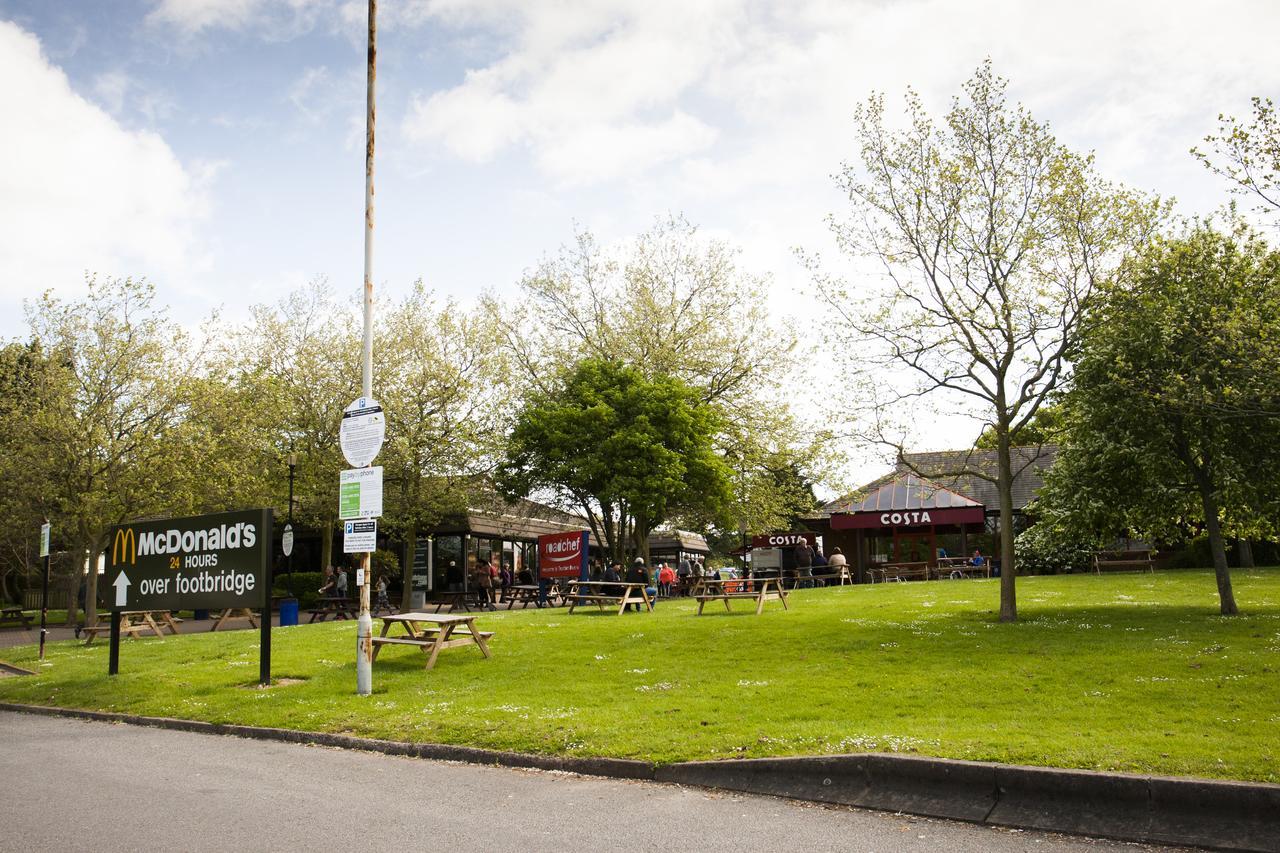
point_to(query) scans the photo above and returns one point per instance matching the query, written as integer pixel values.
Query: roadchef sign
(563, 555)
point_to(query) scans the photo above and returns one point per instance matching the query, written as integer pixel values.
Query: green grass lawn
(1121, 672)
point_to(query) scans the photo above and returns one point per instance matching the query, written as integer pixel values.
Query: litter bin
(288, 612)
(200, 615)
(418, 599)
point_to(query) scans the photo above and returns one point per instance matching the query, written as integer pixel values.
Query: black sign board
(201, 562)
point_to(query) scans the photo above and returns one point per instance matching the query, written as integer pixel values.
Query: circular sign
(363, 429)
(286, 541)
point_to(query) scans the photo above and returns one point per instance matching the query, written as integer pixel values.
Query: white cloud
(273, 19)
(79, 192)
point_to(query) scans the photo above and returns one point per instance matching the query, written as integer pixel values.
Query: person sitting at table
(640, 574)
(524, 577)
(819, 566)
(977, 559)
(837, 562)
(612, 575)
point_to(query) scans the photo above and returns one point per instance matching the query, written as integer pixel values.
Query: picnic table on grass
(337, 606)
(236, 613)
(134, 623)
(432, 632)
(15, 616)
(758, 590)
(525, 594)
(600, 593)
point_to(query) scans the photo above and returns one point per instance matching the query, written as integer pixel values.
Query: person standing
(666, 577)
(340, 583)
(484, 585)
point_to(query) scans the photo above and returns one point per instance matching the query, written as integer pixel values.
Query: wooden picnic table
(432, 632)
(602, 592)
(900, 571)
(455, 598)
(759, 590)
(134, 623)
(525, 594)
(336, 606)
(16, 616)
(236, 613)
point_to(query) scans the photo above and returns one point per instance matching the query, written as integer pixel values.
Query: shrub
(1041, 550)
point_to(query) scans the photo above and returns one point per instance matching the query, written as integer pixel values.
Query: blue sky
(215, 146)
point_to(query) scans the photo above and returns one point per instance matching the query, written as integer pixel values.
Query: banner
(563, 555)
(784, 540)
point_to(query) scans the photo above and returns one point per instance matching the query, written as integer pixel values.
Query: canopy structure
(907, 500)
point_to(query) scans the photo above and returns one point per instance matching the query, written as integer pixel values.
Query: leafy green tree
(671, 303)
(442, 380)
(1174, 409)
(97, 440)
(625, 449)
(989, 238)
(1248, 155)
(1045, 427)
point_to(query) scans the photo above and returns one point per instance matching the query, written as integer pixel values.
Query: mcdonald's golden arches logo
(125, 547)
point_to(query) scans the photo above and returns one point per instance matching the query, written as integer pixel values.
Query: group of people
(810, 561)
(335, 586)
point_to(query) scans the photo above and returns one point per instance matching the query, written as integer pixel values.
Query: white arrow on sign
(122, 584)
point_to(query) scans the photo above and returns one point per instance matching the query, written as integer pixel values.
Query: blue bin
(200, 615)
(289, 612)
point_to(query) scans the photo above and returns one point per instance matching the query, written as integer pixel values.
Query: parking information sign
(360, 493)
(206, 562)
(362, 431)
(359, 537)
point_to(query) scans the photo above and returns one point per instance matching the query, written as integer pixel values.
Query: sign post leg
(44, 606)
(264, 647)
(113, 660)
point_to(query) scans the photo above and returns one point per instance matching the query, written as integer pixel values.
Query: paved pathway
(78, 785)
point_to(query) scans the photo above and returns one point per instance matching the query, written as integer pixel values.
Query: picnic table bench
(900, 572)
(15, 616)
(1122, 560)
(600, 593)
(759, 590)
(525, 594)
(455, 598)
(331, 605)
(432, 632)
(236, 613)
(134, 623)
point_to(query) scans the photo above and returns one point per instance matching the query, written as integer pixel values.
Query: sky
(216, 146)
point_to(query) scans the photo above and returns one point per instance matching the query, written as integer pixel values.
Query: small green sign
(349, 500)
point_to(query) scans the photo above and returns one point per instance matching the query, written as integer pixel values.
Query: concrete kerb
(1238, 816)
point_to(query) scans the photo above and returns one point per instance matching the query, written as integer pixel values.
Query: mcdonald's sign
(124, 549)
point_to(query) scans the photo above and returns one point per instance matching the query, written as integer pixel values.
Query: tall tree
(442, 380)
(627, 450)
(100, 434)
(1247, 153)
(990, 238)
(1174, 409)
(672, 303)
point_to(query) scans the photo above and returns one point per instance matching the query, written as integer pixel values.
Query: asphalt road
(79, 785)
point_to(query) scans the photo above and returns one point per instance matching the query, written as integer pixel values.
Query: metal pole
(288, 583)
(364, 624)
(44, 602)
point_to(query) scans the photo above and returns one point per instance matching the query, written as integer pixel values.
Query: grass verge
(1132, 673)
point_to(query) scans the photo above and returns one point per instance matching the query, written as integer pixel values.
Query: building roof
(954, 471)
(906, 491)
(678, 540)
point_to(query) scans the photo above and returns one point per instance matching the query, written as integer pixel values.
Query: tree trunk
(326, 545)
(1244, 551)
(90, 587)
(1008, 593)
(1217, 545)
(406, 570)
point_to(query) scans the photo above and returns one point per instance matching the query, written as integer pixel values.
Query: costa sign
(907, 518)
(784, 540)
(563, 555)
